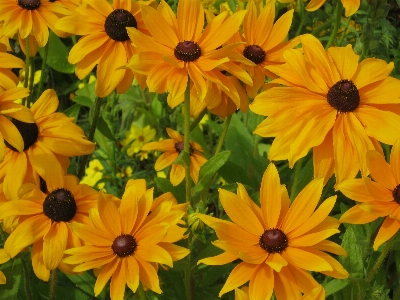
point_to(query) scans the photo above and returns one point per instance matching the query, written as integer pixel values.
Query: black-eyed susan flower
(104, 43)
(179, 48)
(263, 42)
(332, 104)
(31, 17)
(125, 241)
(172, 148)
(350, 6)
(378, 198)
(48, 142)
(45, 214)
(277, 242)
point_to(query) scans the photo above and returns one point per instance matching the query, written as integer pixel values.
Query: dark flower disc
(29, 4)
(273, 241)
(254, 53)
(187, 51)
(116, 24)
(396, 194)
(60, 205)
(180, 146)
(124, 245)
(344, 96)
(28, 131)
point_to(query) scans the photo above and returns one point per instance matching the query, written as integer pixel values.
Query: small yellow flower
(94, 173)
(136, 137)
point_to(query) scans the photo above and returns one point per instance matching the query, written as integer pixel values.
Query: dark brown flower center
(116, 24)
(180, 146)
(124, 245)
(396, 194)
(28, 131)
(344, 96)
(60, 205)
(273, 241)
(187, 51)
(29, 4)
(254, 53)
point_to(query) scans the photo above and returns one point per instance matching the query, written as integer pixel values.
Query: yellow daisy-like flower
(379, 198)
(277, 242)
(332, 104)
(48, 143)
(8, 79)
(179, 48)
(263, 42)
(45, 218)
(104, 42)
(350, 6)
(94, 173)
(124, 241)
(136, 137)
(316, 294)
(31, 17)
(172, 148)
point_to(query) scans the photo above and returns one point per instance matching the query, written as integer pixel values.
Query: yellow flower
(48, 143)
(171, 148)
(94, 173)
(263, 42)
(36, 77)
(8, 80)
(4, 39)
(31, 17)
(332, 104)
(125, 173)
(104, 42)
(136, 137)
(125, 241)
(45, 220)
(378, 198)
(277, 242)
(350, 6)
(179, 48)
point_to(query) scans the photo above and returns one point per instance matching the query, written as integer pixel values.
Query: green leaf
(83, 100)
(208, 170)
(353, 263)
(232, 173)
(183, 159)
(57, 57)
(335, 285)
(14, 273)
(104, 129)
(166, 186)
(73, 111)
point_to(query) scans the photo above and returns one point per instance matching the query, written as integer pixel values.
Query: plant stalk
(338, 18)
(53, 284)
(43, 70)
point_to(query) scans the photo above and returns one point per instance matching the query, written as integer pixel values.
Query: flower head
(351, 6)
(378, 198)
(172, 148)
(126, 240)
(332, 104)
(94, 173)
(136, 137)
(277, 242)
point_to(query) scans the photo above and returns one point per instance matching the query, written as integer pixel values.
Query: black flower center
(273, 241)
(117, 22)
(124, 245)
(187, 51)
(180, 146)
(254, 53)
(344, 96)
(28, 131)
(29, 4)
(60, 205)
(396, 194)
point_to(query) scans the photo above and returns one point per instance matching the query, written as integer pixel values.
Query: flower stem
(46, 51)
(223, 135)
(303, 16)
(31, 81)
(142, 294)
(27, 279)
(27, 65)
(198, 119)
(381, 258)
(319, 29)
(338, 18)
(186, 137)
(344, 31)
(53, 284)
(297, 169)
(96, 115)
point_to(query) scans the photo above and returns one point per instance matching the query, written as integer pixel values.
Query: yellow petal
(276, 261)
(105, 274)
(356, 215)
(371, 70)
(270, 196)
(54, 244)
(261, 283)
(345, 60)
(308, 259)
(221, 259)
(380, 170)
(239, 276)
(388, 228)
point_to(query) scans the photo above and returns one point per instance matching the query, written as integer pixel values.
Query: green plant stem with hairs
(142, 294)
(198, 119)
(344, 31)
(31, 82)
(27, 65)
(338, 18)
(43, 70)
(53, 284)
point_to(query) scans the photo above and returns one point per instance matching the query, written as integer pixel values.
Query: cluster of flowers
(318, 99)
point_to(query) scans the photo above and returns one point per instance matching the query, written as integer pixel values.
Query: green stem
(96, 115)
(53, 284)
(319, 29)
(142, 294)
(380, 260)
(198, 119)
(397, 293)
(44, 61)
(338, 18)
(27, 64)
(344, 31)
(223, 135)
(31, 81)
(297, 169)
(27, 279)
(303, 20)
(186, 141)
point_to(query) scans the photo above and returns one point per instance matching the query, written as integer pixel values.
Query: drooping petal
(261, 283)
(239, 276)
(388, 228)
(105, 274)
(54, 244)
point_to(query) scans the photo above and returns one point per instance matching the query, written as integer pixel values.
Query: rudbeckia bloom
(332, 104)
(8, 79)
(378, 198)
(105, 42)
(45, 214)
(179, 47)
(172, 148)
(124, 241)
(48, 142)
(263, 42)
(277, 242)
(31, 17)
(350, 6)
